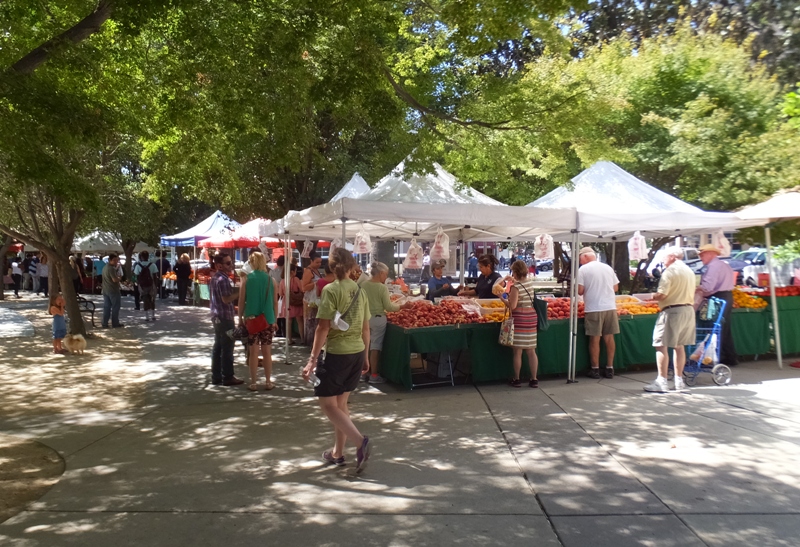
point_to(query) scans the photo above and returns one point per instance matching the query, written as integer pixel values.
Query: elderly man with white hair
(675, 325)
(597, 283)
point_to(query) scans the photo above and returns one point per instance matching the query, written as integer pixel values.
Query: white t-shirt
(15, 268)
(598, 282)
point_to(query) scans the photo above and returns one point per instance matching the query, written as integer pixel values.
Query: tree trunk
(8, 240)
(54, 283)
(76, 325)
(557, 262)
(127, 248)
(621, 265)
(383, 251)
(638, 280)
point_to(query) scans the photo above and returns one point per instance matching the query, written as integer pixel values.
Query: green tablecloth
(789, 320)
(750, 329)
(491, 361)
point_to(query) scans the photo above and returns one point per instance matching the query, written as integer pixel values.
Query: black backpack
(145, 277)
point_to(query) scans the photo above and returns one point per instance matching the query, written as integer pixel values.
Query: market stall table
(789, 319)
(750, 330)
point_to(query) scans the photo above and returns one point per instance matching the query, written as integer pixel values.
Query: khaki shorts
(601, 323)
(675, 327)
(377, 331)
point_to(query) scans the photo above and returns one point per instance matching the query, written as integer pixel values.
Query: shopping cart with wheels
(704, 356)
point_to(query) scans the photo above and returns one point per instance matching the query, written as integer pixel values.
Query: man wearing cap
(675, 325)
(718, 281)
(598, 282)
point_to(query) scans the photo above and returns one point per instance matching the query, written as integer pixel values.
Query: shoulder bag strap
(353, 301)
(529, 294)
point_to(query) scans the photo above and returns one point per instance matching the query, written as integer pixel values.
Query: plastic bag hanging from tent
(543, 247)
(637, 247)
(336, 243)
(263, 248)
(204, 254)
(441, 246)
(413, 260)
(362, 243)
(721, 242)
(308, 246)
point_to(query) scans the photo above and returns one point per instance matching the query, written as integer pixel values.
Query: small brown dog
(75, 343)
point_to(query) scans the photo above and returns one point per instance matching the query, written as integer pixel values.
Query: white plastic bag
(637, 247)
(413, 260)
(334, 244)
(721, 242)
(308, 246)
(441, 246)
(543, 247)
(362, 244)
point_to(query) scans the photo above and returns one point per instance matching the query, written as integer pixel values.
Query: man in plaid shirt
(222, 316)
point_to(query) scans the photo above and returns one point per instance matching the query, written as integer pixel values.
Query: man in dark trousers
(164, 268)
(718, 281)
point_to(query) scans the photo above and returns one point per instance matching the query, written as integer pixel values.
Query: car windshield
(747, 256)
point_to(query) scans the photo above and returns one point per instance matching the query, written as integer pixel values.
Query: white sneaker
(680, 385)
(659, 386)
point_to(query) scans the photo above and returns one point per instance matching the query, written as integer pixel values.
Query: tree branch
(19, 236)
(79, 32)
(409, 99)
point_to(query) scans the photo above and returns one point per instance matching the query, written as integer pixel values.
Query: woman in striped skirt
(520, 302)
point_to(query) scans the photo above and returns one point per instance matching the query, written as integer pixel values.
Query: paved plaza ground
(152, 454)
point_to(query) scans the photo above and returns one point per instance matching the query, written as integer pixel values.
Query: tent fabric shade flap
(246, 235)
(218, 224)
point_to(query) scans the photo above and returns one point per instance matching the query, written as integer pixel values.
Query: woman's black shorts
(339, 374)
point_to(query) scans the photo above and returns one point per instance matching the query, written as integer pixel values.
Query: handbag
(255, 323)
(506, 337)
(295, 297)
(540, 307)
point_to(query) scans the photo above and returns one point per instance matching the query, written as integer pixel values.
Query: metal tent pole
(463, 246)
(194, 275)
(287, 269)
(573, 308)
(773, 300)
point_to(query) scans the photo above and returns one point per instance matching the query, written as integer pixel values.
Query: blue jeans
(222, 352)
(111, 305)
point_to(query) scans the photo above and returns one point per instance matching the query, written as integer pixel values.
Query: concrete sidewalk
(156, 456)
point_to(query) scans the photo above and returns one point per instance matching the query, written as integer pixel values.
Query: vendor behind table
(438, 284)
(487, 264)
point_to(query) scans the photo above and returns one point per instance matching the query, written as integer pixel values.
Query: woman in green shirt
(345, 357)
(258, 295)
(379, 304)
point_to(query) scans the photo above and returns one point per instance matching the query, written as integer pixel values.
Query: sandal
(252, 387)
(533, 382)
(269, 386)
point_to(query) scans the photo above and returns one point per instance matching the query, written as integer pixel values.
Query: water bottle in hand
(313, 380)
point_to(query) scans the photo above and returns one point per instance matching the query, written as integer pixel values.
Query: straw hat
(709, 248)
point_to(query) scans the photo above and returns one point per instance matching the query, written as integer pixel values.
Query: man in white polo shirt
(597, 282)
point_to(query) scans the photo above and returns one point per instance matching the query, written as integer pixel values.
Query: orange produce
(743, 300)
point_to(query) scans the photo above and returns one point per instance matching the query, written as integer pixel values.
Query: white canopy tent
(612, 204)
(103, 241)
(402, 206)
(354, 188)
(405, 205)
(782, 206)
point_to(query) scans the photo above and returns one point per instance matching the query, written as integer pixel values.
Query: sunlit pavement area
(155, 455)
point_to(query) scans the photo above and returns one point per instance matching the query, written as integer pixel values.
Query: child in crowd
(59, 323)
